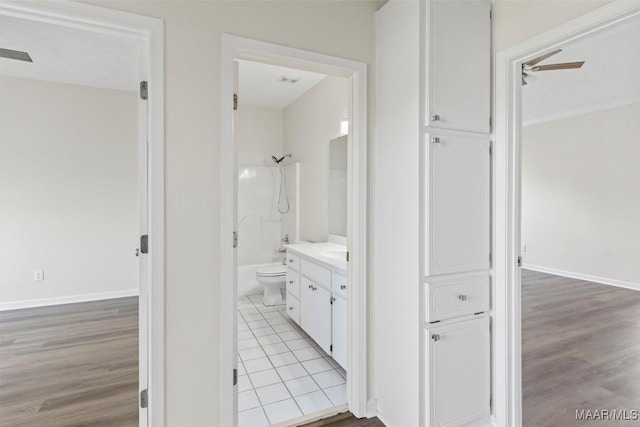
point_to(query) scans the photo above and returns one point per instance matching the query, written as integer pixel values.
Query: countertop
(318, 251)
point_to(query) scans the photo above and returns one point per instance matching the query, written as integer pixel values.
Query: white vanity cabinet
(316, 298)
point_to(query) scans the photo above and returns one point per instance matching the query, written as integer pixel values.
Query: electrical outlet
(523, 249)
(38, 275)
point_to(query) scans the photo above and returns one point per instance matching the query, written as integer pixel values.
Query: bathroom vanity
(317, 294)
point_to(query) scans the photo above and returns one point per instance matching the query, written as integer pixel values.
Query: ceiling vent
(287, 79)
(15, 54)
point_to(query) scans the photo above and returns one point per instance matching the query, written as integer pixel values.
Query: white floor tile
(258, 324)
(289, 372)
(248, 310)
(252, 418)
(302, 385)
(342, 372)
(260, 332)
(243, 383)
(264, 378)
(278, 321)
(269, 339)
(247, 343)
(290, 335)
(272, 315)
(283, 359)
(282, 411)
(256, 299)
(257, 365)
(244, 335)
(243, 327)
(272, 393)
(328, 379)
(252, 317)
(298, 344)
(241, 370)
(337, 394)
(332, 362)
(306, 354)
(313, 402)
(247, 400)
(285, 327)
(315, 366)
(251, 353)
(276, 348)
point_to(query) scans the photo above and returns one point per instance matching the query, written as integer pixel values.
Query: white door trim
(234, 47)
(507, 376)
(149, 32)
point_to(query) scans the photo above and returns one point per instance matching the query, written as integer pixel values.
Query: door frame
(149, 33)
(507, 352)
(234, 47)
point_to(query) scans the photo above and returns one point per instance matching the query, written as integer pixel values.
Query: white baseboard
(580, 276)
(43, 302)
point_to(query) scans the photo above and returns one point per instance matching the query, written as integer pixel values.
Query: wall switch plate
(38, 275)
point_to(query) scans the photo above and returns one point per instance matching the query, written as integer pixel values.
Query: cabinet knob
(462, 297)
(435, 118)
(435, 140)
(435, 337)
(290, 308)
(291, 282)
(343, 286)
(314, 288)
(291, 260)
(310, 286)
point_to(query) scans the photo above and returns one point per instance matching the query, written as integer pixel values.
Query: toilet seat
(272, 271)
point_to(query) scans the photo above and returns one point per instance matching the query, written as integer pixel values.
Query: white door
(459, 34)
(315, 313)
(339, 329)
(458, 372)
(458, 203)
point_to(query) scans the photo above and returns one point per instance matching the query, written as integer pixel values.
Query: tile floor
(282, 373)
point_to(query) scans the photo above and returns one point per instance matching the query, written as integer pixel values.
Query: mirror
(338, 186)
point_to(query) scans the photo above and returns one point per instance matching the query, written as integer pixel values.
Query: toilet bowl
(273, 278)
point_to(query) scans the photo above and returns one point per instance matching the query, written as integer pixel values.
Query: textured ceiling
(68, 55)
(610, 76)
(259, 84)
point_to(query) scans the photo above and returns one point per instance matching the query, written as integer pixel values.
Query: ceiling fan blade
(534, 61)
(563, 66)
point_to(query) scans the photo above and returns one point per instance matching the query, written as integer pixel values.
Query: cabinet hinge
(520, 261)
(235, 376)
(144, 244)
(331, 348)
(144, 398)
(490, 258)
(235, 101)
(490, 14)
(144, 90)
(347, 256)
(490, 148)
(235, 239)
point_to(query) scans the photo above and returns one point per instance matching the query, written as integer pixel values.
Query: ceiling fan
(532, 66)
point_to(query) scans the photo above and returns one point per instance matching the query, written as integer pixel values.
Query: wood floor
(346, 420)
(70, 365)
(580, 350)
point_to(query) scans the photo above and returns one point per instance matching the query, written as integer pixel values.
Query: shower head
(277, 161)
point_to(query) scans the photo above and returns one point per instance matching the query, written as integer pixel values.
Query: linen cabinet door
(459, 65)
(458, 376)
(457, 203)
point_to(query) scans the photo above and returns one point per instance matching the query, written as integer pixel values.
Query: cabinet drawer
(293, 308)
(339, 284)
(293, 282)
(318, 274)
(458, 295)
(293, 261)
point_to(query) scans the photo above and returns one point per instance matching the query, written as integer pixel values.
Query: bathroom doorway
(294, 274)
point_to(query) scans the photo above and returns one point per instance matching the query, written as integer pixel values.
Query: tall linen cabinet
(431, 195)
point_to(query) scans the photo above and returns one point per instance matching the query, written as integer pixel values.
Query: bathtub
(247, 283)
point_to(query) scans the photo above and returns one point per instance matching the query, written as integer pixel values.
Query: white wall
(581, 194)
(310, 123)
(258, 134)
(68, 190)
(192, 56)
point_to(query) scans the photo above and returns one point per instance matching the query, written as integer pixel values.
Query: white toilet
(273, 278)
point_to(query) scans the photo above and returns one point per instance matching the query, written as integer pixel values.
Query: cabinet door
(315, 313)
(458, 372)
(459, 67)
(339, 328)
(457, 223)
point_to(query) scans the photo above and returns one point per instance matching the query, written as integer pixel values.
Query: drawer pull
(435, 118)
(310, 286)
(291, 282)
(462, 297)
(343, 286)
(290, 260)
(290, 307)
(435, 337)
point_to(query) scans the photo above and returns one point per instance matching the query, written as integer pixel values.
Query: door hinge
(144, 398)
(144, 90)
(331, 300)
(347, 256)
(520, 261)
(235, 101)
(235, 239)
(490, 123)
(331, 348)
(489, 258)
(144, 244)
(490, 147)
(235, 376)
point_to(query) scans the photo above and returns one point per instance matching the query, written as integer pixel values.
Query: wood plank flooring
(580, 350)
(346, 419)
(70, 365)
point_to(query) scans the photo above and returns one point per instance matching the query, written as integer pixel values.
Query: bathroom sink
(336, 254)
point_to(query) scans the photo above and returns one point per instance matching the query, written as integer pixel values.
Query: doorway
(143, 39)
(234, 49)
